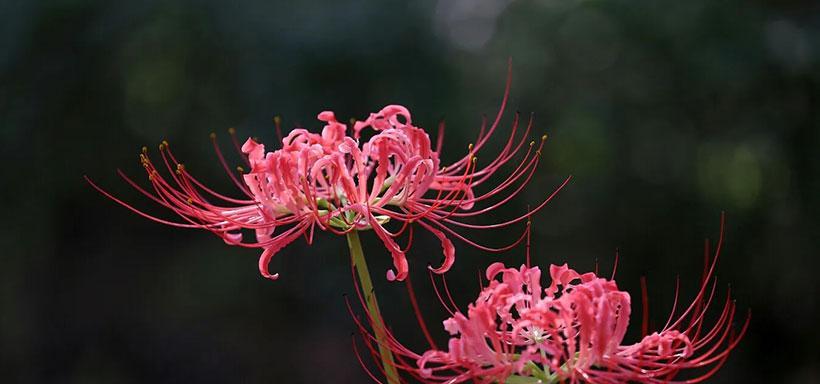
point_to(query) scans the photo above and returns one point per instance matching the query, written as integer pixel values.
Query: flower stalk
(360, 264)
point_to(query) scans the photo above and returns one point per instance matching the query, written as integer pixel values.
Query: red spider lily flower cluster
(337, 183)
(572, 331)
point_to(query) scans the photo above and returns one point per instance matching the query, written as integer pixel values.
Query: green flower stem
(372, 305)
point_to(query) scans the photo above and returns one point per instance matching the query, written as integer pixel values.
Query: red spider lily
(338, 183)
(570, 332)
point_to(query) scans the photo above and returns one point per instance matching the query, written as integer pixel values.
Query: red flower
(570, 332)
(336, 182)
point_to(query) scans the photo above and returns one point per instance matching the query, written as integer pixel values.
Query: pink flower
(569, 331)
(337, 182)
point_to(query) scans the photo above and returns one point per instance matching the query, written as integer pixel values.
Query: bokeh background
(665, 112)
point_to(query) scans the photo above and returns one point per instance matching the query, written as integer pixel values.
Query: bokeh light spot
(729, 176)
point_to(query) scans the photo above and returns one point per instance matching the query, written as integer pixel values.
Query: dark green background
(666, 113)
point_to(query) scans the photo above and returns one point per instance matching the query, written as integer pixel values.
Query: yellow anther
(474, 159)
(352, 121)
(240, 169)
(212, 135)
(532, 143)
(544, 137)
(144, 149)
(277, 120)
(470, 147)
(180, 167)
(232, 130)
(143, 159)
(190, 200)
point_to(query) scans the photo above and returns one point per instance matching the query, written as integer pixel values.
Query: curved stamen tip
(544, 137)
(212, 135)
(232, 130)
(532, 143)
(240, 169)
(470, 147)
(180, 167)
(277, 119)
(144, 150)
